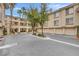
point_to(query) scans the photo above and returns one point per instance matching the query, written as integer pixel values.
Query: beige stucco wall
(48, 30)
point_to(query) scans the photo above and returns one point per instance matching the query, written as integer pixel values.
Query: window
(56, 15)
(29, 24)
(69, 11)
(69, 21)
(21, 23)
(56, 22)
(16, 23)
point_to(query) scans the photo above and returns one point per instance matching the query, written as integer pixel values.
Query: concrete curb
(44, 38)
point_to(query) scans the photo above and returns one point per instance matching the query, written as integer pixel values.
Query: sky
(53, 6)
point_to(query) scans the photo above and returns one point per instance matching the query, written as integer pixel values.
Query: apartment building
(17, 25)
(64, 21)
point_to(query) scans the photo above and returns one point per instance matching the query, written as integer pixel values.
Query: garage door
(59, 31)
(70, 31)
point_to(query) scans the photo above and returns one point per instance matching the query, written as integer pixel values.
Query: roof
(14, 17)
(66, 7)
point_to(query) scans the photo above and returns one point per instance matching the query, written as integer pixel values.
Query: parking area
(65, 38)
(28, 45)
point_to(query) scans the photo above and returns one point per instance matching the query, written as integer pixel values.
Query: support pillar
(26, 29)
(19, 30)
(8, 31)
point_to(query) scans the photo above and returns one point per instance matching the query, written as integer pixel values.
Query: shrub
(41, 35)
(34, 33)
(4, 32)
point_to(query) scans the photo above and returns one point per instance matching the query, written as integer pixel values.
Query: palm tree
(43, 16)
(2, 16)
(11, 7)
(32, 16)
(23, 10)
(4, 7)
(8, 6)
(19, 12)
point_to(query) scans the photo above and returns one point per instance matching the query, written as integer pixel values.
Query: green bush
(41, 35)
(34, 33)
(4, 32)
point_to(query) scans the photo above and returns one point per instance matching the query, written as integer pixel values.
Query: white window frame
(69, 11)
(70, 21)
(56, 22)
(57, 14)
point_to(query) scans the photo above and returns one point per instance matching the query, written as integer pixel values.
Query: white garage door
(71, 31)
(59, 31)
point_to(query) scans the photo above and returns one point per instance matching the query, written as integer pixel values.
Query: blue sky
(53, 6)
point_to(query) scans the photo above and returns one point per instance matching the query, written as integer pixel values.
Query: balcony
(14, 23)
(23, 24)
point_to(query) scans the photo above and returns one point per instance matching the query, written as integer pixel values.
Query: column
(19, 26)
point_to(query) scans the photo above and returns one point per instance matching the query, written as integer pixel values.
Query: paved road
(28, 45)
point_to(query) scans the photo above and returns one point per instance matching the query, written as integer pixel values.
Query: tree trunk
(11, 10)
(33, 29)
(42, 30)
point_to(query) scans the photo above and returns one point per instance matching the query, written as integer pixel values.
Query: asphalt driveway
(65, 38)
(28, 45)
